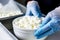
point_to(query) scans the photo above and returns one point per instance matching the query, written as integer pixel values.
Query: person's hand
(33, 9)
(50, 24)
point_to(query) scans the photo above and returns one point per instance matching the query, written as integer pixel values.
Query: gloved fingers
(28, 12)
(45, 30)
(42, 31)
(34, 7)
(36, 11)
(49, 32)
(46, 20)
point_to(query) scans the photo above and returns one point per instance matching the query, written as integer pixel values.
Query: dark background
(45, 5)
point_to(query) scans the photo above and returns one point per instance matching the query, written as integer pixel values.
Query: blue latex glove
(50, 24)
(33, 9)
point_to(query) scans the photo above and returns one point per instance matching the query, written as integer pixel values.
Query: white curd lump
(9, 13)
(28, 22)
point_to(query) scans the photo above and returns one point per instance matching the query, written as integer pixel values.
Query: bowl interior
(17, 19)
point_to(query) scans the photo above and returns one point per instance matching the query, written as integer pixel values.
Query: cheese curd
(28, 22)
(9, 13)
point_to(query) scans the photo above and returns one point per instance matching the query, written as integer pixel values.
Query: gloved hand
(50, 24)
(33, 9)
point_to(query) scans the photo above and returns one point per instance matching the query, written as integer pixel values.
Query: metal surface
(5, 34)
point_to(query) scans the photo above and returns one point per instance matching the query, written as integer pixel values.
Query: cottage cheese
(28, 22)
(9, 13)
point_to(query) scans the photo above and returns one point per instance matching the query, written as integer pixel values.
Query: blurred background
(45, 5)
(23, 2)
